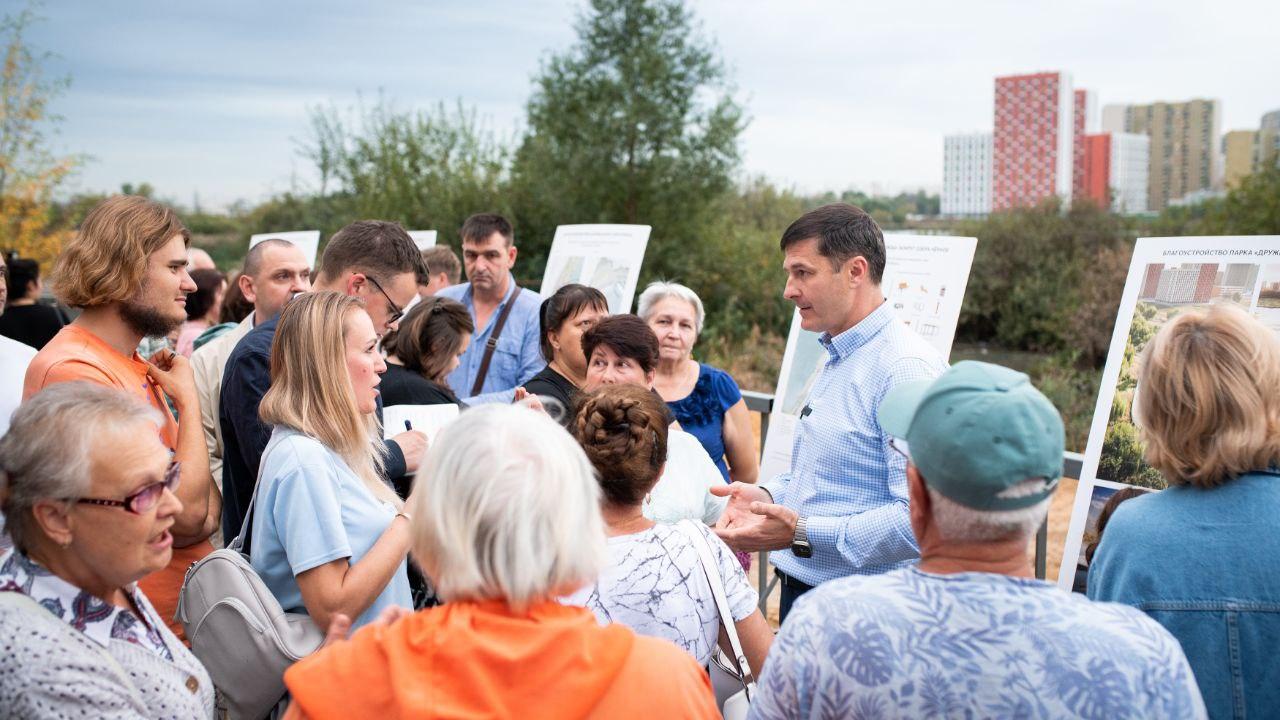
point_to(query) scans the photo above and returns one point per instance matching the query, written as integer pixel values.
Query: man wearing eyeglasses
(373, 260)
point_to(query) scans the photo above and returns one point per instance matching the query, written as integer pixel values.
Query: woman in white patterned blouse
(87, 489)
(654, 582)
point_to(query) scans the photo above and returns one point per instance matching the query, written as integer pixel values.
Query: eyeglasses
(900, 446)
(396, 311)
(146, 498)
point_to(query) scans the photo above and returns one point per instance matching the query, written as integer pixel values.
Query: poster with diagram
(1167, 276)
(307, 240)
(423, 238)
(924, 282)
(605, 257)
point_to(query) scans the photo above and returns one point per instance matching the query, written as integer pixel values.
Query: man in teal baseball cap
(981, 435)
(969, 626)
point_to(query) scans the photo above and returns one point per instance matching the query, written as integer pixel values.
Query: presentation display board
(605, 257)
(307, 240)
(423, 238)
(924, 281)
(1166, 276)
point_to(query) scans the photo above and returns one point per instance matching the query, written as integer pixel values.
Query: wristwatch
(800, 542)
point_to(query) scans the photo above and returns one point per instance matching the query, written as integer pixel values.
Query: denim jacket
(1205, 563)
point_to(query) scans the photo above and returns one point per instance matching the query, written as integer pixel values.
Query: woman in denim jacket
(1203, 556)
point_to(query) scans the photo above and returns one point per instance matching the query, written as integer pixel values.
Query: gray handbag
(734, 689)
(237, 628)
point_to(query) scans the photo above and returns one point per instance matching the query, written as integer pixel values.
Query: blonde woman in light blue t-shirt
(329, 536)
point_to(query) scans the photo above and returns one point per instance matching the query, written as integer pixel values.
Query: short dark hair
(429, 336)
(235, 306)
(207, 283)
(564, 304)
(253, 261)
(627, 335)
(480, 226)
(441, 259)
(843, 231)
(373, 247)
(623, 431)
(22, 272)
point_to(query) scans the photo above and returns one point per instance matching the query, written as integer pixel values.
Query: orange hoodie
(482, 660)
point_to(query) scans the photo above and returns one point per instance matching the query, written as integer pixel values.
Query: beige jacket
(208, 363)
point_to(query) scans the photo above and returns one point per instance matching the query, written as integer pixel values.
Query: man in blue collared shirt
(842, 509)
(488, 254)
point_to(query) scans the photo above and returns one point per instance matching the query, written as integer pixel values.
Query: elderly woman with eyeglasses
(86, 488)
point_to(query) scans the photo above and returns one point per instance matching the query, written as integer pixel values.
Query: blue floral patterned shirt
(909, 644)
(97, 619)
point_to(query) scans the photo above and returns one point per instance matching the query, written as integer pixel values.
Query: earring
(65, 545)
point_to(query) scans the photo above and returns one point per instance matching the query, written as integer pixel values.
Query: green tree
(633, 124)
(427, 169)
(30, 172)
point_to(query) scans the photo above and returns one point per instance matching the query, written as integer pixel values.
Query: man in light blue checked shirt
(842, 509)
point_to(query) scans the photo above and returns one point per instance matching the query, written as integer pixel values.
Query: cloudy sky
(212, 98)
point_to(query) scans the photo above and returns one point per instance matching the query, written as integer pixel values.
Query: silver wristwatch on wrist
(800, 541)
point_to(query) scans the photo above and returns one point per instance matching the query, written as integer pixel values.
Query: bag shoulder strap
(20, 601)
(492, 343)
(238, 543)
(703, 548)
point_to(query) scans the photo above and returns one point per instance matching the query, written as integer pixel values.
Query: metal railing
(763, 403)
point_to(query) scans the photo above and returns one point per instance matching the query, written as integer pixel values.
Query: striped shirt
(845, 479)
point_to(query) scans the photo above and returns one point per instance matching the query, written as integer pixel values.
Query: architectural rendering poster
(307, 240)
(605, 257)
(1167, 276)
(924, 281)
(423, 238)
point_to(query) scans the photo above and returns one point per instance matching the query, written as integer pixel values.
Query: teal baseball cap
(976, 431)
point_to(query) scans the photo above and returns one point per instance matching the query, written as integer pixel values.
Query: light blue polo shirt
(312, 509)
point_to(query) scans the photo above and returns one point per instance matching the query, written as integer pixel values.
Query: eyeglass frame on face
(396, 311)
(172, 476)
(900, 446)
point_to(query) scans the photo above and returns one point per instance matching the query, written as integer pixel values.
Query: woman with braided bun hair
(622, 350)
(653, 582)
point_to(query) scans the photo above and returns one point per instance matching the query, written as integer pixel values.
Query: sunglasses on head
(146, 498)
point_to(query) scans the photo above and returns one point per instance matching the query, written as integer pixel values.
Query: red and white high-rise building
(1033, 154)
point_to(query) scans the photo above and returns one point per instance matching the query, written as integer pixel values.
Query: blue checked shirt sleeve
(881, 535)
(777, 487)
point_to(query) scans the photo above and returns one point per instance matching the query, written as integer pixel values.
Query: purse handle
(703, 548)
(237, 544)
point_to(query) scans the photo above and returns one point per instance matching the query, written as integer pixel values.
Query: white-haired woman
(87, 488)
(329, 536)
(705, 400)
(506, 520)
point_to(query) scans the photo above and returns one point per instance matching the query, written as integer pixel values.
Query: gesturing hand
(752, 521)
(738, 512)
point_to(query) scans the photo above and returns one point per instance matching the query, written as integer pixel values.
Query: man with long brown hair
(127, 269)
(373, 260)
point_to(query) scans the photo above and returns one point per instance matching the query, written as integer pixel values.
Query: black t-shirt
(550, 384)
(400, 386)
(33, 325)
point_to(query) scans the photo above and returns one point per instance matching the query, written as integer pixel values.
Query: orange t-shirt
(481, 659)
(77, 354)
